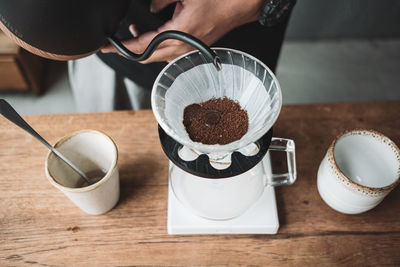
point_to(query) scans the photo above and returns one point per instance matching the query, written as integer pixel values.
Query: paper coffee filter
(191, 79)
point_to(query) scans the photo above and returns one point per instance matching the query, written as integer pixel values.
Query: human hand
(208, 20)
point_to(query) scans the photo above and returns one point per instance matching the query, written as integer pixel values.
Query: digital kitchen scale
(260, 218)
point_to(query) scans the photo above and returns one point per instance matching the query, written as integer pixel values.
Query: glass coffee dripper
(220, 182)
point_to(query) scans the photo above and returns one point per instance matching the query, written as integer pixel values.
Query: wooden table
(40, 226)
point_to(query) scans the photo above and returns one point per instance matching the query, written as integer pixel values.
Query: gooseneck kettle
(71, 29)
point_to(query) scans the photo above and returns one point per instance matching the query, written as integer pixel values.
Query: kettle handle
(184, 37)
(288, 146)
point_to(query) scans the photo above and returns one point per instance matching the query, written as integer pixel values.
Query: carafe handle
(288, 146)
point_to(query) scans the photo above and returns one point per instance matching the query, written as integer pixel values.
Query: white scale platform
(261, 218)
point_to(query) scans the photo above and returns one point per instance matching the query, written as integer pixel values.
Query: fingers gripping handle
(288, 146)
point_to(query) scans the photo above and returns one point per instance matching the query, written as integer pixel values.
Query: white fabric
(98, 88)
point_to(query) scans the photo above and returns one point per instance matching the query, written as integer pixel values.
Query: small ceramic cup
(91, 151)
(360, 168)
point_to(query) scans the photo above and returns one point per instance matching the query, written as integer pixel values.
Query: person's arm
(208, 20)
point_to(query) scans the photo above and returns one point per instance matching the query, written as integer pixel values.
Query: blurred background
(334, 51)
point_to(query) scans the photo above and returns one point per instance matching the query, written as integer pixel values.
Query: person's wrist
(241, 12)
(256, 7)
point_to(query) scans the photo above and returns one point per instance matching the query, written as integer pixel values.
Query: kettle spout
(184, 37)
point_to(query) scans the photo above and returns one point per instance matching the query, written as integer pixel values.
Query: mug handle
(288, 146)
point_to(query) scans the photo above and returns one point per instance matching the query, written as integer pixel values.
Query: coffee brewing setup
(221, 188)
(211, 188)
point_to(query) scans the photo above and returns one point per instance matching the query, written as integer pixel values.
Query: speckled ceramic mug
(360, 168)
(89, 150)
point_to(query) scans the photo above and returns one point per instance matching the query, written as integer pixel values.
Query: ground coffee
(216, 121)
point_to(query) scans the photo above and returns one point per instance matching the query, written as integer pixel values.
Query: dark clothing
(261, 42)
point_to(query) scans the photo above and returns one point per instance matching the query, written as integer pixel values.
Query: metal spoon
(9, 112)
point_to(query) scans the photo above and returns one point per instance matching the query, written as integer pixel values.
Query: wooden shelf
(19, 69)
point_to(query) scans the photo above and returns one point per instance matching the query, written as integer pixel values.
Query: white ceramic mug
(89, 150)
(360, 168)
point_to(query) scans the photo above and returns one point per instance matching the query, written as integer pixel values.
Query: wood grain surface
(39, 226)
(19, 69)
